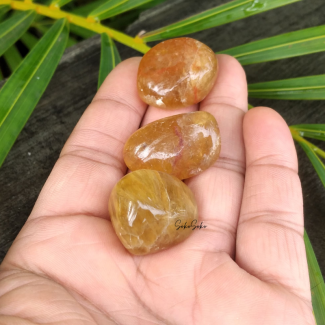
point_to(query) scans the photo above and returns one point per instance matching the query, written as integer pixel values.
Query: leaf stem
(54, 12)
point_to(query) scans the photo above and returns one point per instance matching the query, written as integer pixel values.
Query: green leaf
(13, 58)
(60, 3)
(109, 58)
(317, 285)
(114, 7)
(317, 163)
(121, 22)
(82, 32)
(288, 45)
(14, 27)
(42, 28)
(305, 88)
(4, 9)
(223, 14)
(29, 40)
(314, 131)
(22, 91)
(71, 41)
(87, 8)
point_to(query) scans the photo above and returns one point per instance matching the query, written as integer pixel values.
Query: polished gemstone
(146, 207)
(182, 145)
(177, 73)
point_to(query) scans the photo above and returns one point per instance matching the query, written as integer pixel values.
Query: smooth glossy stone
(144, 207)
(182, 145)
(177, 73)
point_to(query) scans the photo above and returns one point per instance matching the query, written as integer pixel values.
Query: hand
(248, 266)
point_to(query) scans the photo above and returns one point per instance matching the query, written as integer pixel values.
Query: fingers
(91, 161)
(154, 113)
(270, 242)
(219, 189)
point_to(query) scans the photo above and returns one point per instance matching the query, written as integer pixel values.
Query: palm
(247, 267)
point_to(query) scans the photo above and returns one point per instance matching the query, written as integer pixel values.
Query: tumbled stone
(145, 207)
(182, 145)
(177, 73)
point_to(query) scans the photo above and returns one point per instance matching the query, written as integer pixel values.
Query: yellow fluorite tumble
(182, 145)
(177, 73)
(146, 207)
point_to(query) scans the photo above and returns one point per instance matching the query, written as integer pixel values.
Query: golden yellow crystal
(181, 145)
(146, 207)
(177, 73)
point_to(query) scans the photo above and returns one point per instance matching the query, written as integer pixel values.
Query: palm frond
(223, 14)
(82, 32)
(115, 7)
(86, 9)
(314, 131)
(21, 92)
(283, 46)
(313, 153)
(305, 88)
(14, 27)
(13, 58)
(29, 40)
(4, 9)
(60, 3)
(109, 58)
(317, 285)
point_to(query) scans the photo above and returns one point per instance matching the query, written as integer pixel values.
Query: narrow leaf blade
(305, 88)
(60, 3)
(86, 9)
(317, 163)
(44, 28)
(283, 46)
(115, 7)
(317, 285)
(4, 9)
(29, 40)
(82, 32)
(223, 14)
(314, 131)
(109, 58)
(22, 91)
(14, 27)
(13, 58)
(71, 41)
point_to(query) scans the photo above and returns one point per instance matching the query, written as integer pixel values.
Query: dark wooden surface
(74, 85)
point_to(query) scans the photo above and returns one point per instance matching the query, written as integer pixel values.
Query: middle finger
(219, 189)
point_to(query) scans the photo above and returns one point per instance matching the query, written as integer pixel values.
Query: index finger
(91, 161)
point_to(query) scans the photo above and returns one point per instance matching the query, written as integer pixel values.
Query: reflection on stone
(177, 73)
(182, 145)
(144, 206)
